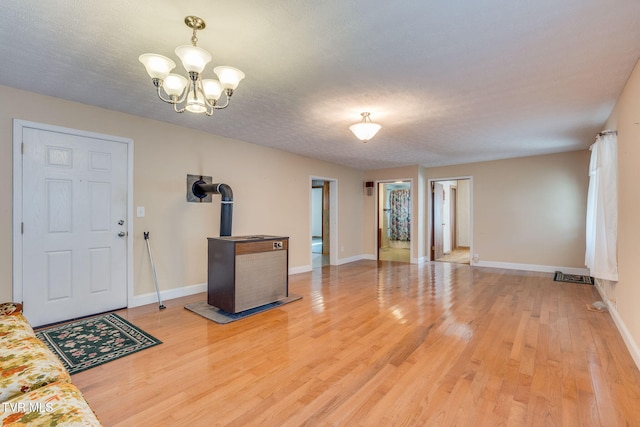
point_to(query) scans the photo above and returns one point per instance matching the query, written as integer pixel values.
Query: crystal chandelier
(194, 94)
(365, 129)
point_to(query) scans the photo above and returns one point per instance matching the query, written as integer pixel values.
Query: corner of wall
(629, 341)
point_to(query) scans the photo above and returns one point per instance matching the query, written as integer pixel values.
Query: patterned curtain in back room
(400, 201)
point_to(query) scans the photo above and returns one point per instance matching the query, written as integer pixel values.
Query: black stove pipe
(201, 189)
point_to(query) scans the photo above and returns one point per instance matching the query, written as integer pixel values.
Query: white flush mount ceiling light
(365, 129)
(192, 94)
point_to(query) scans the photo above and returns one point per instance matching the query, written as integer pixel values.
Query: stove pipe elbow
(200, 189)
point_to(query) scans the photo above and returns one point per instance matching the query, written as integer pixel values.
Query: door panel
(58, 275)
(74, 195)
(100, 205)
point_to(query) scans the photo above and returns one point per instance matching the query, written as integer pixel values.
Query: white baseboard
(152, 298)
(492, 264)
(532, 267)
(307, 268)
(631, 344)
(373, 257)
(356, 258)
(301, 269)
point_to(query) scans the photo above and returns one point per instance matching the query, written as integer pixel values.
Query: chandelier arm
(222, 107)
(168, 101)
(181, 110)
(228, 93)
(182, 98)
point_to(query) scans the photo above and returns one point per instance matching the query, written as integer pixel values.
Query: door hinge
(22, 228)
(22, 148)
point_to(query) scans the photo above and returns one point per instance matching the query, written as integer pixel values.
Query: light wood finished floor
(381, 344)
(460, 255)
(395, 254)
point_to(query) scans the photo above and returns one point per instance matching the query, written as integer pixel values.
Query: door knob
(122, 234)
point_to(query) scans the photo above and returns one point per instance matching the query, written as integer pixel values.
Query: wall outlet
(476, 257)
(277, 245)
(140, 211)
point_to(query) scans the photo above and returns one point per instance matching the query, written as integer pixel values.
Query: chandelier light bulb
(212, 89)
(229, 77)
(193, 58)
(158, 66)
(174, 84)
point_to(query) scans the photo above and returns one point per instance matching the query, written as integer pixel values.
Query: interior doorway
(451, 220)
(320, 223)
(394, 221)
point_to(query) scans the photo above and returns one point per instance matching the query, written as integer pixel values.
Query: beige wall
(271, 190)
(528, 210)
(626, 292)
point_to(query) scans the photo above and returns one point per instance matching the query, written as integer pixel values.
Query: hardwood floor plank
(383, 343)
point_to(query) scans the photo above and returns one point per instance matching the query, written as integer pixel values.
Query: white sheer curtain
(602, 208)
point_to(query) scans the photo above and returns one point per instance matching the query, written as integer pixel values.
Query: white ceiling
(450, 81)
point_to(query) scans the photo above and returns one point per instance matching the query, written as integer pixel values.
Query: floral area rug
(90, 342)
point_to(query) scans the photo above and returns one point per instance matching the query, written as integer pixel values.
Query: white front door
(74, 210)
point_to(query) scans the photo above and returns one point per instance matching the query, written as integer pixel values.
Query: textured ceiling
(450, 81)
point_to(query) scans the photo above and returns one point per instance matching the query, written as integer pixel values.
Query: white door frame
(18, 126)
(333, 220)
(414, 227)
(430, 213)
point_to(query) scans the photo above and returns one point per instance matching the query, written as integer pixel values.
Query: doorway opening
(451, 220)
(394, 221)
(321, 208)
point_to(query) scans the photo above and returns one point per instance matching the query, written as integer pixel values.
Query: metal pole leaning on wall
(153, 270)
